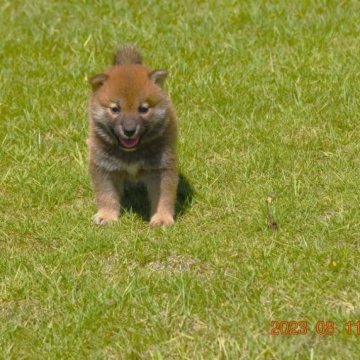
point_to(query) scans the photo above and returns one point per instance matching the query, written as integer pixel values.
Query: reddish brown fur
(130, 83)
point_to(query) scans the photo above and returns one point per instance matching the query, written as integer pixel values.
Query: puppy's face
(128, 107)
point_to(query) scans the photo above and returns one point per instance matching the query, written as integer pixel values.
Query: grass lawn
(267, 95)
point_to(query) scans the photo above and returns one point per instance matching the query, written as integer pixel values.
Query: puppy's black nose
(130, 132)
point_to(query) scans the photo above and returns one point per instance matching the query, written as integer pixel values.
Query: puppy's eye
(115, 109)
(144, 108)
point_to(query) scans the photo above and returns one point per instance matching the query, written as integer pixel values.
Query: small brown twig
(272, 225)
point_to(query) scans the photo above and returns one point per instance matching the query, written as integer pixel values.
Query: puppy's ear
(158, 77)
(97, 81)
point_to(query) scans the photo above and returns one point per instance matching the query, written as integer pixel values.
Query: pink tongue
(129, 143)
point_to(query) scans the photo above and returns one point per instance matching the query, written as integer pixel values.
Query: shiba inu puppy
(132, 136)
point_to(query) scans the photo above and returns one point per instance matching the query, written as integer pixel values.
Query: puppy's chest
(133, 170)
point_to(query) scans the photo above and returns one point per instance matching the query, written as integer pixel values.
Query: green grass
(267, 95)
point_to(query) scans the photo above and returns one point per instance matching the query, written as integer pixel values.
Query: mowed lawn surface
(267, 96)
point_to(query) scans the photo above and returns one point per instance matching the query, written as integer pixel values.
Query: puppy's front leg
(162, 186)
(108, 189)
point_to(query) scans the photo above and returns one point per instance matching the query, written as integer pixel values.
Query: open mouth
(130, 144)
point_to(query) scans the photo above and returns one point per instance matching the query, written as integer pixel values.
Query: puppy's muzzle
(130, 128)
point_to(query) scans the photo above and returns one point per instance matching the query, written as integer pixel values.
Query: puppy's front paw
(164, 220)
(104, 217)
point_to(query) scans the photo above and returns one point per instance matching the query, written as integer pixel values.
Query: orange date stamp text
(321, 327)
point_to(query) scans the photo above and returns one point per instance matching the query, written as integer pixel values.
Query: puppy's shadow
(135, 198)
